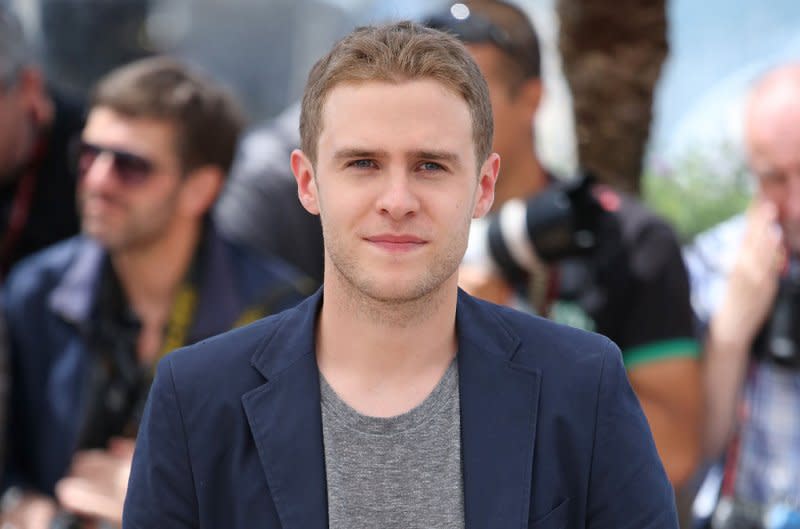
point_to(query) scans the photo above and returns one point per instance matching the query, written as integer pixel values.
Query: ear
(486, 181)
(32, 90)
(530, 96)
(200, 190)
(307, 191)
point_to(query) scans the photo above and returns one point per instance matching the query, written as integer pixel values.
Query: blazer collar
(499, 401)
(499, 406)
(286, 420)
(74, 295)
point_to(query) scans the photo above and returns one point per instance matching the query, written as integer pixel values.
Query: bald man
(743, 275)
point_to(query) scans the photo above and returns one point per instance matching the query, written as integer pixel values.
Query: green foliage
(698, 192)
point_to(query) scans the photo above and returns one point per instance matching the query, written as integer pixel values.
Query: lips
(396, 242)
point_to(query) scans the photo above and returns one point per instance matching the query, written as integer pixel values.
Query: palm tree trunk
(612, 54)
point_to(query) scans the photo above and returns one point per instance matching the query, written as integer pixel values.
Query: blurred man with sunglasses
(632, 287)
(89, 318)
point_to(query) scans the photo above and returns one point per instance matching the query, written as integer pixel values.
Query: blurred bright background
(263, 48)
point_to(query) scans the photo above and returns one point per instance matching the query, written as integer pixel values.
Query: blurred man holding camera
(89, 318)
(579, 253)
(746, 290)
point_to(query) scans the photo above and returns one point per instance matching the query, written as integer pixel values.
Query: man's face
(504, 108)
(128, 200)
(513, 112)
(774, 143)
(396, 185)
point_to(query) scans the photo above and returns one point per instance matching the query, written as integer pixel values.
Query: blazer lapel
(286, 423)
(499, 404)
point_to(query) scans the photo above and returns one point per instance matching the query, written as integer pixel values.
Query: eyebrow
(433, 155)
(348, 153)
(438, 156)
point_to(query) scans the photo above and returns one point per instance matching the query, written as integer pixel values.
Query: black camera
(566, 220)
(779, 340)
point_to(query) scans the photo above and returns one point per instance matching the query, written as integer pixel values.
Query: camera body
(568, 219)
(779, 339)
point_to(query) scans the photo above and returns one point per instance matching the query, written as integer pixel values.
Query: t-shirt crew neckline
(343, 414)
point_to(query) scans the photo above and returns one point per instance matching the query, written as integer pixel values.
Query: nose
(99, 173)
(398, 198)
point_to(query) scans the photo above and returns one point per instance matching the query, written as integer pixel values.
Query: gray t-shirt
(400, 472)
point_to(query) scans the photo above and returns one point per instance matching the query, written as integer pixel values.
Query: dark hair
(395, 53)
(501, 24)
(206, 118)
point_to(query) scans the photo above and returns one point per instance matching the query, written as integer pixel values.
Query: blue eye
(362, 164)
(431, 166)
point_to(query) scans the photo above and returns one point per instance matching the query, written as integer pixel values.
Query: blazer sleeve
(628, 487)
(161, 490)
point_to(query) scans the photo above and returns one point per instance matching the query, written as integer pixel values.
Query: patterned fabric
(708, 260)
(768, 456)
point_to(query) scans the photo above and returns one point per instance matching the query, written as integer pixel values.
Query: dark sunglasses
(130, 169)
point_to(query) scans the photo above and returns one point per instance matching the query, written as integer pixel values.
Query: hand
(484, 284)
(98, 481)
(753, 281)
(32, 511)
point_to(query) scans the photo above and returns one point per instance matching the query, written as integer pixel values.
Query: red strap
(733, 452)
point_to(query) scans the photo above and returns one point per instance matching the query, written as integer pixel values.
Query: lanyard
(183, 311)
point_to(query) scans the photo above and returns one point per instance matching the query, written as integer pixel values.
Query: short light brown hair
(206, 118)
(394, 53)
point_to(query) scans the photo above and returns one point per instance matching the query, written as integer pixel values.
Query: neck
(151, 274)
(385, 357)
(521, 176)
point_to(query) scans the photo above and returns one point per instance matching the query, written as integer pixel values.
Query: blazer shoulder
(32, 280)
(222, 363)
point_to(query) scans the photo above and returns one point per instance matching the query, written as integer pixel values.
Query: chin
(102, 237)
(390, 289)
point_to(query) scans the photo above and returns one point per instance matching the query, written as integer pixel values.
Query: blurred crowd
(138, 218)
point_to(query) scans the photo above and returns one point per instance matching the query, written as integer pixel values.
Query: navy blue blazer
(553, 437)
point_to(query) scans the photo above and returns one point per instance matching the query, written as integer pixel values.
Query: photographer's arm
(660, 350)
(669, 393)
(749, 294)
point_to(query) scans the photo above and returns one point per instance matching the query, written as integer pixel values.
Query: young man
(391, 399)
(89, 318)
(632, 288)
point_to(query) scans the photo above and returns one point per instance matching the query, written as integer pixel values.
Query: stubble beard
(367, 293)
(135, 232)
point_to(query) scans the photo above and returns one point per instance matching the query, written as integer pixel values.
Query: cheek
(340, 206)
(775, 192)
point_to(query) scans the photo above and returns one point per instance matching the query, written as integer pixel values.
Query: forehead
(406, 115)
(139, 134)
(773, 131)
